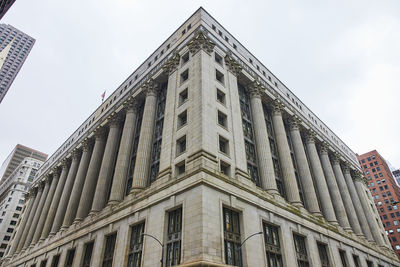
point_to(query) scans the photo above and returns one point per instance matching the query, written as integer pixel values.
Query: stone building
(200, 148)
(12, 198)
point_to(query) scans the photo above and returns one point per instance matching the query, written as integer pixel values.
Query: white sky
(341, 58)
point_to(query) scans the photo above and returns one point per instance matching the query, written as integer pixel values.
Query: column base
(136, 190)
(297, 204)
(113, 202)
(77, 220)
(64, 228)
(335, 223)
(93, 213)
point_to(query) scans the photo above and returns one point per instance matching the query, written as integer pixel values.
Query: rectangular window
(343, 257)
(183, 96)
(87, 257)
(218, 59)
(231, 237)
(301, 250)
(272, 246)
(109, 250)
(180, 168)
(70, 258)
(323, 254)
(185, 58)
(136, 245)
(184, 76)
(222, 119)
(182, 119)
(356, 261)
(181, 145)
(56, 259)
(220, 96)
(43, 263)
(219, 76)
(225, 168)
(223, 145)
(174, 237)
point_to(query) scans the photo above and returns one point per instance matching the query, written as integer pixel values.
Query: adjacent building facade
(200, 148)
(385, 192)
(16, 156)
(4, 6)
(21, 45)
(12, 198)
(396, 175)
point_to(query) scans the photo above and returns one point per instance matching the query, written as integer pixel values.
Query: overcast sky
(341, 58)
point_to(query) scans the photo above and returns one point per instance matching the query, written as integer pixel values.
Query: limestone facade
(199, 152)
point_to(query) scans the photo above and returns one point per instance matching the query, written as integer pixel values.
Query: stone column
(66, 193)
(319, 179)
(30, 218)
(124, 154)
(344, 191)
(30, 198)
(310, 196)
(289, 178)
(333, 188)
(46, 206)
(55, 201)
(356, 202)
(78, 185)
(86, 199)
(107, 165)
(368, 213)
(44, 186)
(265, 164)
(143, 157)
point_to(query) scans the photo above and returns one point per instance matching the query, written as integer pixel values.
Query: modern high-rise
(10, 64)
(12, 198)
(4, 6)
(16, 157)
(199, 149)
(396, 174)
(385, 192)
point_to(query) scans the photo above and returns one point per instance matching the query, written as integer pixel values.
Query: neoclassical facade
(199, 149)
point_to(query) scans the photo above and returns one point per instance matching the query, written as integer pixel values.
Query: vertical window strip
(174, 237)
(232, 237)
(343, 259)
(157, 136)
(88, 254)
(301, 250)
(136, 245)
(272, 246)
(70, 258)
(109, 250)
(252, 167)
(274, 151)
(323, 254)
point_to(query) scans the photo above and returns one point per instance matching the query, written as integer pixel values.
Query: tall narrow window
(301, 250)
(109, 250)
(56, 259)
(43, 263)
(157, 136)
(274, 151)
(370, 263)
(136, 245)
(356, 261)
(323, 254)
(174, 237)
(272, 246)
(296, 173)
(134, 149)
(87, 257)
(70, 258)
(249, 141)
(343, 257)
(231, 237)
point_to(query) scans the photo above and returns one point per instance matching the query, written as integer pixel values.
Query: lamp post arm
(241, 244)
(162, 247)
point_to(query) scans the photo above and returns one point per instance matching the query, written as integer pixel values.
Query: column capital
(172, 64)
(76, 153)
(310, 136)
(233, 65)
(86, 144)
(324, 147)
(41, 184)
(336, 158)
(64, 164)
(56, 171)
(99, 132)
(114, 120)
(255, 89)
(278, 106)
(131, 105)
(150, 87)
(294, 123)
(357, 176)
(346, 167)
(33, 191)
(201, 42)
(48, 178)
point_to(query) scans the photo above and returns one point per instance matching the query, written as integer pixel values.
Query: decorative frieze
(201, 42)
(233, 65)
(172, 64)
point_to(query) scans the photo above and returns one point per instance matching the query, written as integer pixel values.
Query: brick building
(385, 192)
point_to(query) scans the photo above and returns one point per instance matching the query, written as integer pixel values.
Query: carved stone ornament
(76, 153)
(336, 158)
(256, 89)
(294, 123)
(278, 107)
(131, 105)
(86, 145)
(324, 147)
(114, 120)
(64, 164)
(201, 41)
(172, 64)
(150, 87)
(99, 132)
(310, 136)
(233, 65)
(346, 167)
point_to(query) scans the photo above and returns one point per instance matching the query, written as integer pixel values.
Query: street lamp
(239, 249)
(162, 247)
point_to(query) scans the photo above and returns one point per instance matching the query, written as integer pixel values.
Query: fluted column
(107, 165)
(357, 204)
(344, 192)
(28, 210)
(89, 187)
(46, 206)
(78, 185)
(55, 200)
(288, 176)
(44, 186)
(265, 164)
(333, 188)
(124, 154)
(320, 182)
(310, 197)
(368, 213)
(143, 157)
